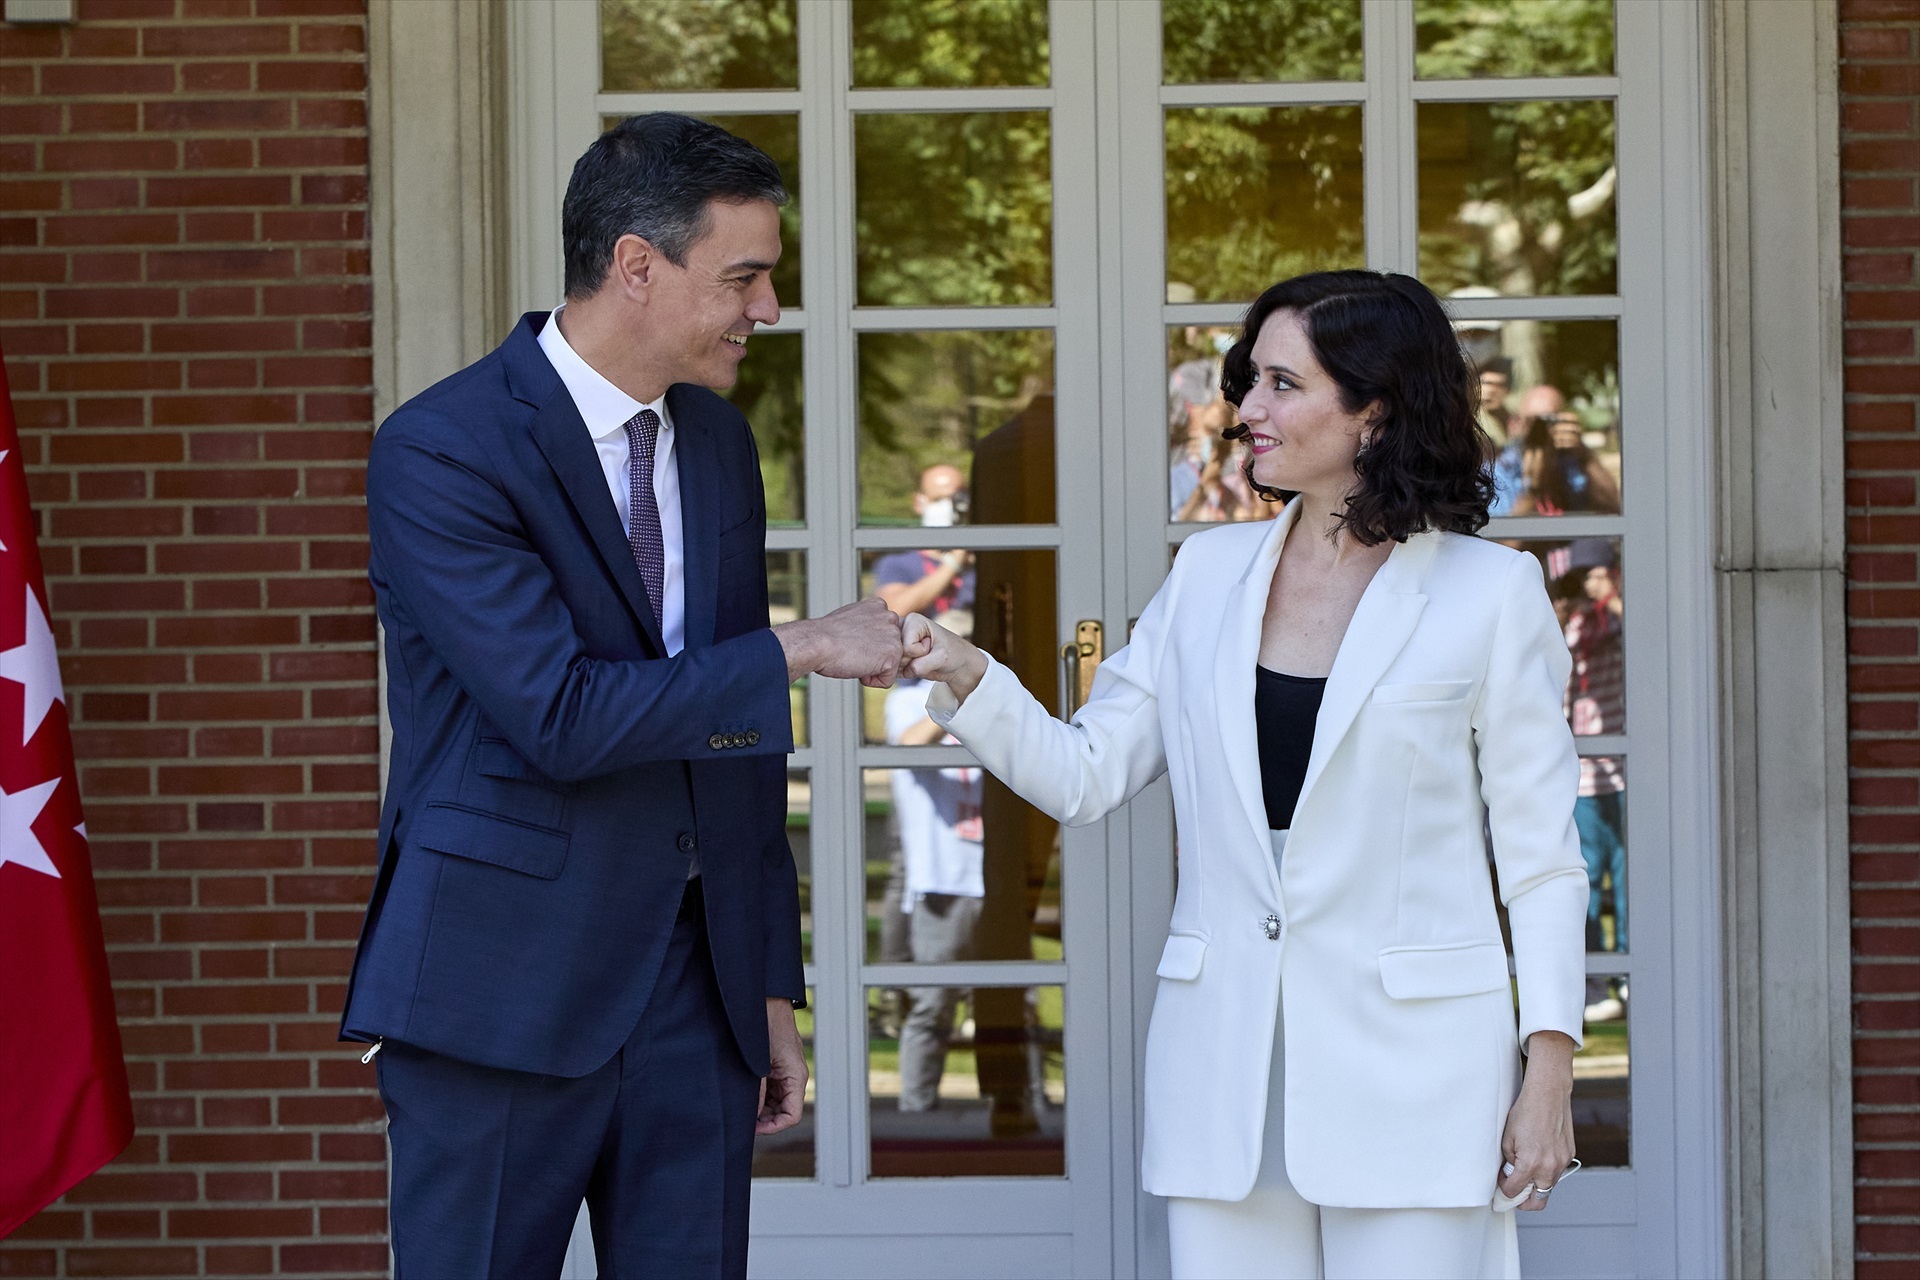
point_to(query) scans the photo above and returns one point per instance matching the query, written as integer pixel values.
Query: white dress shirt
(606, 410)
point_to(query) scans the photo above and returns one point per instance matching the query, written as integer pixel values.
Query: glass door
(927, 413)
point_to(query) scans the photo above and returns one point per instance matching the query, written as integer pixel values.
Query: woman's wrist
(968, 674)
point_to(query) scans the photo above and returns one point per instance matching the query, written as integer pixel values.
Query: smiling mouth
(1257, 441)
(737, 339)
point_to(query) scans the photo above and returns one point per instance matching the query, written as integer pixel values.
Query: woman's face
(1303, 438)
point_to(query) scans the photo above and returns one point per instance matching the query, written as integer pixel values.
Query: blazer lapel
(1233, 663)
(1382, 623)
(699, 532)
(562, 436)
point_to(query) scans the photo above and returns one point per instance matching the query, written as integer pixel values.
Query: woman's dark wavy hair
(1385, 338)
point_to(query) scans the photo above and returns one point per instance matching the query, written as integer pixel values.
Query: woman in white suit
(1346, 699)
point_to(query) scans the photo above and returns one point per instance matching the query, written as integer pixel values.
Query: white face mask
(938, 514)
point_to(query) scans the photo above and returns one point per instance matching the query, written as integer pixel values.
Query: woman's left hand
(1538, 1141)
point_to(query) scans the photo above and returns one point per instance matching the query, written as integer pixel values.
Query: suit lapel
(699, 534)
(562, 436)
(1382, 623)
(1234, 659)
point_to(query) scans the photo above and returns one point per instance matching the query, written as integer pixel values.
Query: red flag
(64, 1109)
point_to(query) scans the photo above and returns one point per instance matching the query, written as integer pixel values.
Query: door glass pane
(904, 44)
(957, 867)
(975, 403)
(953, 209)
(1460, 39)
(790, 1154)
(787, 601)
(779, 137)
(1602, 1128)
(1518, 197)
(970, 1083)
(1241, 41)
(1257, 194)
(769, 392)
(646, 45)
(1206, 480)
(1550, 405)
(800, 839)
(1004, 601)
(1586, 582)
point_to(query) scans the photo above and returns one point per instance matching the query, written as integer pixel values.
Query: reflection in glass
(786, 602)
(647, 46)
(975, 1088)
(1459, 39)
(1518, 197)
(1206, 480)
(1602, 1127)
(1550, 405)
(953, 209)
(1004, 601)
(1248, 41)
(958, 868)
(790, 1154)
(1587, 587)
(1257, 194)
(779, 137)
(769, 393)
(981, 402)
(907, 44)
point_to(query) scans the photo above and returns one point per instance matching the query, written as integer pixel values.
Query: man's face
(708, 308)
(1493, 390)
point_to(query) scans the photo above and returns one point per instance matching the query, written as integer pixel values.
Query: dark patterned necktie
(643, 512)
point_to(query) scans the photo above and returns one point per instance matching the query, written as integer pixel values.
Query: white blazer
(1442, 712)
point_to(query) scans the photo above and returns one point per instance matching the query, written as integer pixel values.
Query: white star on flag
(35, 665)
(18, 844)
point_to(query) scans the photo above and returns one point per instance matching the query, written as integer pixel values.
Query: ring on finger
(1543, 1192)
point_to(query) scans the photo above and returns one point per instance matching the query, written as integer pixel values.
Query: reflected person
(1596, 704)
(1334, 1082)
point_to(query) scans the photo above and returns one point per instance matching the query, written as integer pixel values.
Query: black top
(1284, 709)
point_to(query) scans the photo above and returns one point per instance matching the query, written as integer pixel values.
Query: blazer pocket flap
(494, 759)
(1426, 973)
(486, 837)
(1182, 957)
(1432, 691)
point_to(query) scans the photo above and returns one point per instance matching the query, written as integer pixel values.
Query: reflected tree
(650, 46)
(1241, 41)
(906, 44)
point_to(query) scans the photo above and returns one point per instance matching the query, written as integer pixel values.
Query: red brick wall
(185, 312)
(1880, 162)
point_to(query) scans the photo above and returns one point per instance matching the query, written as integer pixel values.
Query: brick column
(185, 312)
(1880, 162)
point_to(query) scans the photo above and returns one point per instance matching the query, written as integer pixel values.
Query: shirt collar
(605, 408)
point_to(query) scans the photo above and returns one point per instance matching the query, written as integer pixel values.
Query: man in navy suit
(582, 957)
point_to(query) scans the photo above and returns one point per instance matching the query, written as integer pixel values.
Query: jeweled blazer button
(1272, 925)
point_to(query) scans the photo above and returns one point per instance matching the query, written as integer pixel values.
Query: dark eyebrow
(1283, 371)
(749, 265)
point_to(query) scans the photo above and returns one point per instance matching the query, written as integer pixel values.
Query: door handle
(1079, 659)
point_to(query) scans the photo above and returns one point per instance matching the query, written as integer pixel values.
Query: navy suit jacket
(553, 771)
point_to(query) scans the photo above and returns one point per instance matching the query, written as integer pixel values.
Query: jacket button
(1272, 926)
(733, 740)
(716, 742)
(753, 737)
(686, 842)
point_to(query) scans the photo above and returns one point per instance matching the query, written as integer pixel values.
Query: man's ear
(635, 265)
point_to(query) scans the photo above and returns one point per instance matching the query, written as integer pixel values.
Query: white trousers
(1275, 1235)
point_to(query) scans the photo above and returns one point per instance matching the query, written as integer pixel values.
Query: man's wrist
(796, 643)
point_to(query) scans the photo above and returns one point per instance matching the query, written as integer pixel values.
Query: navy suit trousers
(490, 1166)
